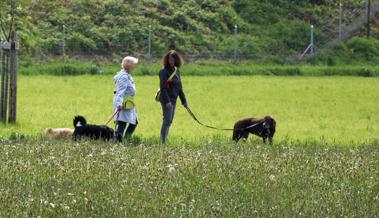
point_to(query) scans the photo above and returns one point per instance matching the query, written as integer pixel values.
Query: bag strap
(173, 74)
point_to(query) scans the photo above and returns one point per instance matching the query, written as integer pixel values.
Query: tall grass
(49, 178)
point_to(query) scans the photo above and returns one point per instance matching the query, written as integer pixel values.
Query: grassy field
(324, 162)
(48, 178)
(331, 110)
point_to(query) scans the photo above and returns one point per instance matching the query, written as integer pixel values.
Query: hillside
(267, 30)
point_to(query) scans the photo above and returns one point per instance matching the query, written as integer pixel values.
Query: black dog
(264, 127)
(91, 131)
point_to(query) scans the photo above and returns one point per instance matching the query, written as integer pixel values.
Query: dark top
(170, 90)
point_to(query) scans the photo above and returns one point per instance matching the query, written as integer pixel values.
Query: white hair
(128, 60)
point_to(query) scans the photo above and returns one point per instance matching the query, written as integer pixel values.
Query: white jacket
(124, 86)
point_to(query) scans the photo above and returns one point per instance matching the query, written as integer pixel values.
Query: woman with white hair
(123, 102)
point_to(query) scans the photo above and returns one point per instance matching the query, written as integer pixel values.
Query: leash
(212, 127)
(112, 117)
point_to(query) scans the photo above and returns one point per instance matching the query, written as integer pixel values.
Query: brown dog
(264, 127)
(59, 132)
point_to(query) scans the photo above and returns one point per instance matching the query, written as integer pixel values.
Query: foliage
(352, 51)
(270, 31)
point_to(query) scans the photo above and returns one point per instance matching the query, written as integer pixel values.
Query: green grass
(332, 110)
(324, 162)
(49, 178)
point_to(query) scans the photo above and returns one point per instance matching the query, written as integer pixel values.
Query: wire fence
(342, 23)
(349, 23)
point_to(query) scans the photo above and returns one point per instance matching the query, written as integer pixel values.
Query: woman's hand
(120, 107)
(185, 104)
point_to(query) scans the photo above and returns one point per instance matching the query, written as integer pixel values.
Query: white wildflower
(171, 168)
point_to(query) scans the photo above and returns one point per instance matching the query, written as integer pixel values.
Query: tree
(7, 19)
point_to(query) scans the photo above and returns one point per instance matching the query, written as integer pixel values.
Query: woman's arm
(182, 96)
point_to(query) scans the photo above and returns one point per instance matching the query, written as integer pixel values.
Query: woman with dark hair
(171, 88)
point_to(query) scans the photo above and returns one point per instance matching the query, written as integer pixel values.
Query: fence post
(5, 85)
(63, 40)
(13, 79)
(312, 41)
(2, 64)
(235, 43)
(368, 18)
(149, 45)
(340, 24)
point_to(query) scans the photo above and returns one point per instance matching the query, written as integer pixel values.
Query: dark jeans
(120, 128)
(168, 117)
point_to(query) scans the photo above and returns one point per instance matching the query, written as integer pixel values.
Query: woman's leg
(129, 131)
(168, 116)
(120, 130)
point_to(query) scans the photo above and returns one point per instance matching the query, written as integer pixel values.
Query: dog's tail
(79, 121)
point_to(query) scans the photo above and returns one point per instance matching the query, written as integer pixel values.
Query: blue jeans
(120, 128)
(168, 117)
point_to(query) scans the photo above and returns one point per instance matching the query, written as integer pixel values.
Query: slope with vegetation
(269, 31)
